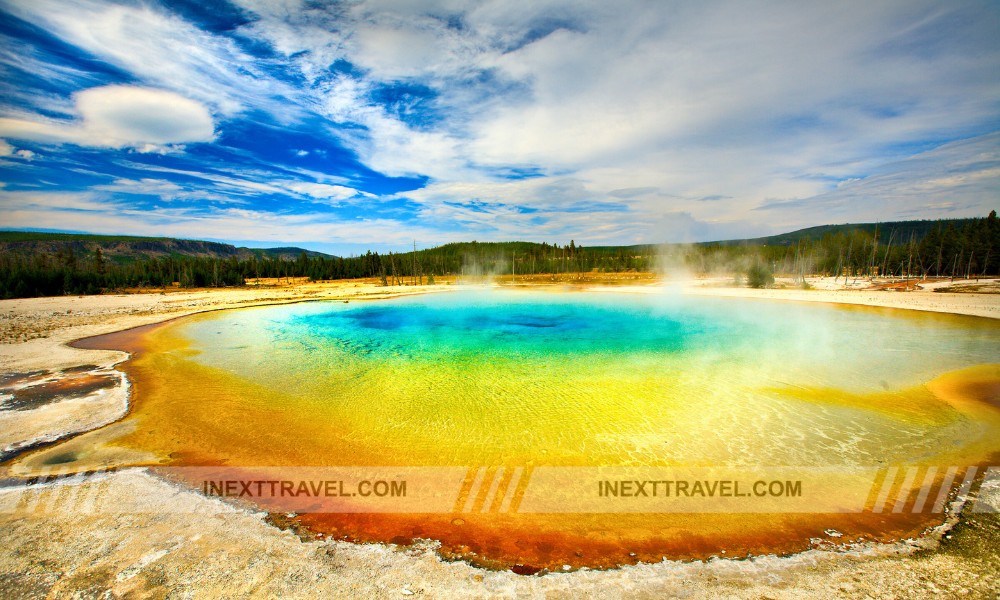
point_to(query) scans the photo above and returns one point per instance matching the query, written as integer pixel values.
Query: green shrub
(759, 276)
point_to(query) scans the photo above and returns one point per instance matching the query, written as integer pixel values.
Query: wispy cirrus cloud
(959, 178)
(95, 213)
(159, 47)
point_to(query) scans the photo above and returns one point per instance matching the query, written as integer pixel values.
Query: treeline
(969, 250)
(476, 259)
(64, 272)
(972, 249)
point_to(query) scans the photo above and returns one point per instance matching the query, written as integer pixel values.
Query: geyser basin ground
(504, 385)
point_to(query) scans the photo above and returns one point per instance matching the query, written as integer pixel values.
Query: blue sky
(343, 126)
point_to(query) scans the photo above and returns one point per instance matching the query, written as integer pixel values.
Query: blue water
(847, 347)
(610, 378)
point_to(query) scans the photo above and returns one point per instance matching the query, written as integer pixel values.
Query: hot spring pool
(519, 380)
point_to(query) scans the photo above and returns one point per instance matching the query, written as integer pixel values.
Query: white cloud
(553, 209)
(246, 184)
(16, 204)
(534, 193)
(118, 116)
(790, 89)
(294, 27)
(167, 191)
(386, 144)
(961, 179)
(90, 212)
(322, 190)
(124, 115)
(231, 187)
(162, 150)
(395, 52)
(158, 187)
(8, 150)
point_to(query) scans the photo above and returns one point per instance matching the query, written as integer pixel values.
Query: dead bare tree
(909, 262)
(871, 263)
(413, 277)
(885, 260)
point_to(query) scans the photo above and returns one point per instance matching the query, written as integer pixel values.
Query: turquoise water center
(531, 378)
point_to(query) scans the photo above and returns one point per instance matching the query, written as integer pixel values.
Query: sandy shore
(942, 296)
(162, 540)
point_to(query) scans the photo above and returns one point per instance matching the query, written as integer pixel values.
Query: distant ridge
(902, 230)
(124, 249)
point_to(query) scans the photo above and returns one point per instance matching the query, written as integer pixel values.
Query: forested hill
(902, 231)
(122, 249)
